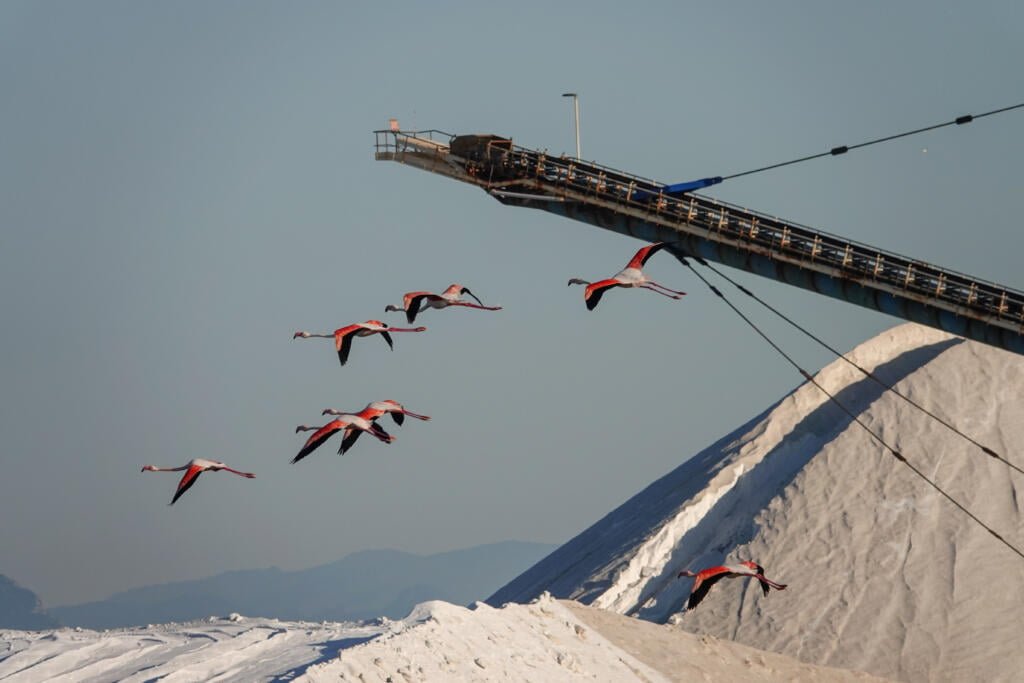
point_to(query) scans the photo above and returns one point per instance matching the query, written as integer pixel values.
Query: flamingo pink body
(630, 276)
(349, 425)
(343, 336)
(706, 578)
(373, 412)
(193, 468)
(415, 302)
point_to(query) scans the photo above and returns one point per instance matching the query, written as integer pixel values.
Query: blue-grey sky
(183, 185)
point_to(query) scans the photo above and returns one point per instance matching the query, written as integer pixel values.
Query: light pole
(576, 108)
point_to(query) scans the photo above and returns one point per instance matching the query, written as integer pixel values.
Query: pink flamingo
(630, 276)
(372, 412)
(193, 468)
(706, 578)
(346, 424)
(343, 335)
(414, 302)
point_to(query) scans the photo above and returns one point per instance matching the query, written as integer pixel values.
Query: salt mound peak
(885, 575)
(552, 640)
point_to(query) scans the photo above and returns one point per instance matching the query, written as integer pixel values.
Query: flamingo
(706, 578)
(343, 335)
(193, 468)
(345, 423)
(372, 412)
(414, 302)
(630, 276)
(378, 408)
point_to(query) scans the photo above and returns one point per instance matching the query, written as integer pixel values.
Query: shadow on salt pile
(329, 651)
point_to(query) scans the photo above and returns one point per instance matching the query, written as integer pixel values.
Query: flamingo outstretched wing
(191, 475)
(701, 585)
(343, 344)
(592, 295)
(413, 305)
(640, 258)
(351, 436)
(315, 441)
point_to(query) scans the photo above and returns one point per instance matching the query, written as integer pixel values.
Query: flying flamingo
(343, 335)
(346, 424)
(372, 412)
(630, 276)
(193, 469)
(414, 302)
(378, 408)
(706, 578)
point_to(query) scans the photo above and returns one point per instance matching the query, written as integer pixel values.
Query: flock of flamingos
(352, 425)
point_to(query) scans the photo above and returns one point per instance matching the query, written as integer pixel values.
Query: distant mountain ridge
(21, 609)
(363, 585)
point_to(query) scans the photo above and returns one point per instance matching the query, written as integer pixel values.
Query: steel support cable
(867, 373)
(895, 453)
(843, 149)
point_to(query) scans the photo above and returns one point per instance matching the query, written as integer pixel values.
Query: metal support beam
(720, 232)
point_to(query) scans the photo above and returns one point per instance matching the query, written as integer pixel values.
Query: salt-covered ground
(238, 649)
(544, 641)
(884, 574)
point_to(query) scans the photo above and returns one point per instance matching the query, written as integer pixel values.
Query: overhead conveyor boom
(718, 231)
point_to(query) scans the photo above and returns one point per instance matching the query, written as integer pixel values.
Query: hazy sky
(183, 185)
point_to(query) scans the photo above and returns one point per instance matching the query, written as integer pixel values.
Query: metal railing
(497, 167)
